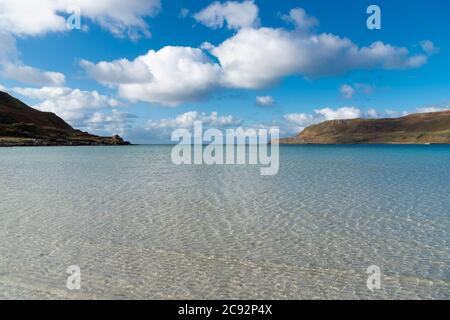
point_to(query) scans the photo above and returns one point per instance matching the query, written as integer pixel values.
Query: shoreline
(168, 144)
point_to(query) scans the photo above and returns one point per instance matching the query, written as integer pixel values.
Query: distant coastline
(21, 125)
(71, 141)
(420, 128)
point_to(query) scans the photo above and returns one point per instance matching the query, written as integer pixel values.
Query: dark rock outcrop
(21, 125)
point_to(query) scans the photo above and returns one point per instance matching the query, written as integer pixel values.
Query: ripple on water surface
(140, 227)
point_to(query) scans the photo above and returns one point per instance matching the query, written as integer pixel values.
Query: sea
(336, 222)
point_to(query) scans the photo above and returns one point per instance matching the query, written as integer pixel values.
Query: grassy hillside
(421, 128)
(21, 125)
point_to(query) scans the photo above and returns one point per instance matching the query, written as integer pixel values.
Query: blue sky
(267, 63)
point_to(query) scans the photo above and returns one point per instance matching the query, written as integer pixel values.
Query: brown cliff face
(421, 128)
(21, 125)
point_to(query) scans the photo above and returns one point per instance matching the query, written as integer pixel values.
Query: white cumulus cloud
(37, 17)
(428, 47)
(253, 58)
(299, 119)
(31, 75)
(73, 105)
(296, 122)
(265, 101)
(169, 76)
(120, 71)
(347, 91)
(12, 68)
(161, 129)
(116, 122)
(235, 15)
(373, 113)
(341, 113)
(433, 109)
(187, 119)
(302, 21)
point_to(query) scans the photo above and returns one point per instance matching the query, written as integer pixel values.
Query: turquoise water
(140, 227)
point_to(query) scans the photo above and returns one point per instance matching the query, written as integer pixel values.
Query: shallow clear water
(140, 227)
